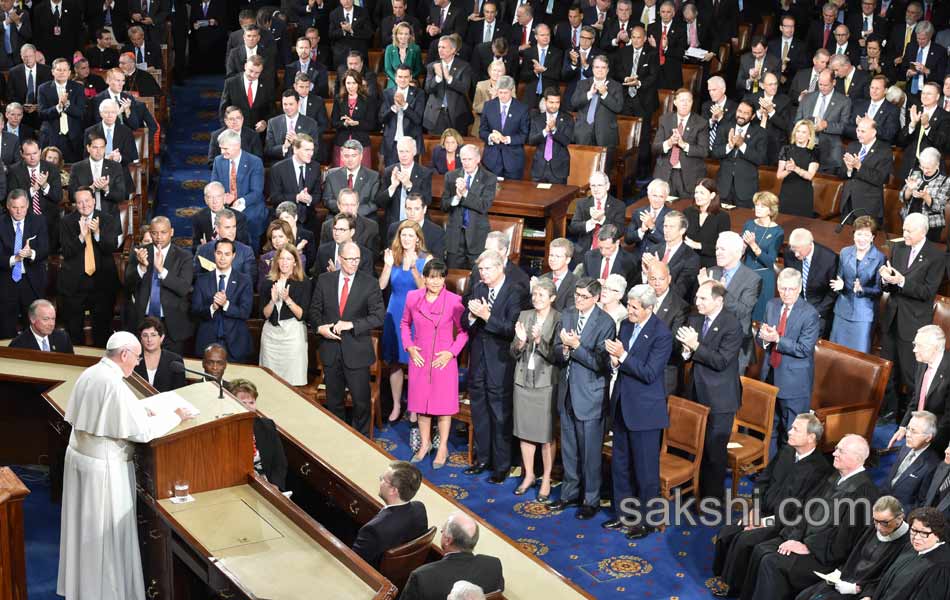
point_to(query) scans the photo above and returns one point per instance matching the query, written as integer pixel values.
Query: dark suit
(934, 496)
(123, 140)
(277, 132)
(475, 33)
(573, 74)
(250, 143)
(673, 311)
(640, 412)
(411, 120)
(716, 385)
(165, 379)
(58, 341)
(491, 373)
(684, 266)
(269, 444)
(421, 178)
(364, 111)
(19, 92)
(158, 11)
(777, 126)
(550, 77)
(285, 185)
(822, 268)
(935, 60)
(858, 87)
(742, 294)
(57, 37)
(226, 326)
(392, 526)
(467, 241)
(245, 262)
(935, 401)
(505, 160)
(80, 175)
(16, 296)
(153, 53)
(558, 167)
(614, 214)
(172, 289)
(319, 77)
(739, 166)
(235, 93)
(770, 64)
(864, 187)
(623, 264)
(346, 362)
(18, 177)
(650, 237)
(366, 184)
(357, 39)
(458, 111)
(671, 61)
(237, 57)
(565, 290)
(914, 141)
(95, 292)
(603, 131)
(645, 101)
(692, 163)
(71, 143)
(327, 251)
(911, 486)
(797, 59)
(815, 38)
(138, 114)
(908, 309)
(434, 581)
(433, 234)
(19, 35)
(887, 119)
(367, 233)
(203, 232)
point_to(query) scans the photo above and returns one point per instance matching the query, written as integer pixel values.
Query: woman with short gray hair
(611, 297)
(926, 191)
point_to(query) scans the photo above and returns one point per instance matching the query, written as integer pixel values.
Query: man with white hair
(784, 566)
(789, 334)
(719, 108)
(467, 195)
(504, 128)
(646, 224)
(120, 142)
(593, 212)
(931, 385)
(242, 175)
(868, 165)
(402, 178)
(912, 278)
(818, 265)
(911, 472)
(98, 515)
(465, 590)
(743, 286)
(926, 124)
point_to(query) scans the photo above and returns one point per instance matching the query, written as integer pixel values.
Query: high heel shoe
(521, 489)
(418, 458)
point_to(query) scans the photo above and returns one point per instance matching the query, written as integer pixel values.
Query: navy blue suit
(491, 372)
(227, 326)
(505, 160)
(15, 297)
(640, 412)
(911, 487)
(250, 186)
(652, 237)
(47, 97)
(887, 118)
(244, 261)
(796, 373)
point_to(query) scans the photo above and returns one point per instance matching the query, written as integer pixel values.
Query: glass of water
(181, 489)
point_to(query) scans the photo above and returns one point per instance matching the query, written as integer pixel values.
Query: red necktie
(666, 256)
(37, 210)
(349, 181)
(524, 36)
(595, 242)
(662, 46)
(621, 44)
(577, 42)
(776, 359)
(824, 39)
(250, 94)
(232, 180)
(606, 272)
(675, 150)
(344, 294)
(924, 387)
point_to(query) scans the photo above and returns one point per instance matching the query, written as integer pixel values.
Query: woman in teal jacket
(403, 50)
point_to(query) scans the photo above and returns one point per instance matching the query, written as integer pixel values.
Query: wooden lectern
(12, 563)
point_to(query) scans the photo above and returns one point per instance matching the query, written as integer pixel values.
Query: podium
(213, 451)
(12, 563)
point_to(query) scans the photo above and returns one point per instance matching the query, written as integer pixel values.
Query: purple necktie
(504, 116)
(549, 148)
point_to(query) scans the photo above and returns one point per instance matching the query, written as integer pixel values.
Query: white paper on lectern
(169, 402)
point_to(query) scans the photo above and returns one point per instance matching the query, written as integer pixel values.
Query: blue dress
(400, 284)
(769, 239)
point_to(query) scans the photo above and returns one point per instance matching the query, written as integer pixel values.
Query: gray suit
(581, 395)
(464, 244)
(837, 114)
(366, 186)
(277, 131)
(742, 294)
(603, 131)
(933, 492)
(692, 163)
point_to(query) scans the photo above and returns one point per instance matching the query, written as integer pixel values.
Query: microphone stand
(218, 380)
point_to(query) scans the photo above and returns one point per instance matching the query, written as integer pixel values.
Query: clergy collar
(895, 535)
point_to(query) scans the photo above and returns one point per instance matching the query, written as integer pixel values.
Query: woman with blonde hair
(797, 166)
(284, 335)
(486, 90)
(403, 51)
(445, 156)
(763, 238)
(402, 270)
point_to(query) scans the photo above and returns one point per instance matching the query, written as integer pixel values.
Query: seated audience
(270, 462)
(42, 333)
(910, 475)
(155, 366)
(401, 519)
(922, 571)
(204, 227)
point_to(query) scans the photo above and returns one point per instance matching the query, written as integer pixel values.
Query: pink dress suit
(434, 327)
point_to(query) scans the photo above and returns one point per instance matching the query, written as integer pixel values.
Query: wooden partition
(12, 562)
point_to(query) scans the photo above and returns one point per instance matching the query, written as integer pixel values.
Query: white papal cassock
(98, 550)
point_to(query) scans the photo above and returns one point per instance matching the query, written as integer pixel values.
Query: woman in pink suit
(433, 336)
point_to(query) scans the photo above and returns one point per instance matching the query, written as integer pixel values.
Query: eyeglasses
(341, 229)
(915, 432)
(919, 533)
(884, 523)
(349, 259)
(579, 296)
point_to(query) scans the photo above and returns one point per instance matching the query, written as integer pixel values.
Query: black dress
(707, 234)
(797, 195)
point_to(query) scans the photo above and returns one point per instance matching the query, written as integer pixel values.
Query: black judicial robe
(782, 478)
(914, 576)
(865, 566)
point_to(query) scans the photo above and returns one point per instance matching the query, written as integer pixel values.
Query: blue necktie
(706, 324)
(155, 296)
(862, 153)
(806, 264)
(7, 47)
(726, 278)
(592, 107)
(915, 84)
(17, 246)
(465, 215)
(544, 52)
(108, 141)
(30, 88)
(504, 114)
(45, 345)
(633, 337)
(217, 314)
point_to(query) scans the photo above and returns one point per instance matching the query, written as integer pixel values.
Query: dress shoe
(562, 504)
(476, 469)
(613, 524)
(586, 512)
(521, 489)
(497, 478)
(418, 457)
(639, 531)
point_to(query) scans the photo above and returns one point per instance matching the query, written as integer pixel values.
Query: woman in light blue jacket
(859, 288)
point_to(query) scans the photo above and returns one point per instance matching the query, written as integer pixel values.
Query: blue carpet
(41, 528)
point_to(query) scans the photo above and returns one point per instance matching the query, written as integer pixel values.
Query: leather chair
(630, 129)
(942, 315)
(397, 563)
(693, 79)
(894, 180)
(686, 434)
(755, 415)
(768, 180)
(585, 161)
(665, 105)
(712, 168)
(375, 61)
(893, 223)
(848, 390)
(513, 227)
(743, 36)
(317, 389)
(529, 151)
(827, 196)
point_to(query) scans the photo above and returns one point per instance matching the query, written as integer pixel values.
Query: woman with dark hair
(269, 458)
(705, 220)
(859, 288)
(279, 232)
(155, 366)
(354, 116)
(433, 337)
(921, 572)
(286, 294)
(402, 268)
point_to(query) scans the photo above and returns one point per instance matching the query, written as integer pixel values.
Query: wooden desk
(523, 199)
(332, 458)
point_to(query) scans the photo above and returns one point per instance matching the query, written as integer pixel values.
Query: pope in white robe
(99, 555)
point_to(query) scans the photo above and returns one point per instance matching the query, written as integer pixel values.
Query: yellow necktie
(89, 256)
(907, 33)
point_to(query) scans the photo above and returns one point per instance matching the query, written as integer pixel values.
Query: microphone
(179, 367)
(840, 226)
